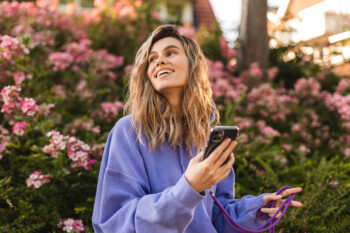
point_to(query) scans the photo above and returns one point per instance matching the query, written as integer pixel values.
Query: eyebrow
(168, 47)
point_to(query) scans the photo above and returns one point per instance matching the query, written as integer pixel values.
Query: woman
(152, 178)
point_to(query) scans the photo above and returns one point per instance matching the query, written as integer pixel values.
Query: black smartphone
(217, 135)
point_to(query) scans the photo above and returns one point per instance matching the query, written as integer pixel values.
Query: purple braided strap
(271, 222)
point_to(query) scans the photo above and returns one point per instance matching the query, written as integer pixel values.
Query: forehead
(166, 42)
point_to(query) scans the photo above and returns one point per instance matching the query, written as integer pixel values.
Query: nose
(160, 60)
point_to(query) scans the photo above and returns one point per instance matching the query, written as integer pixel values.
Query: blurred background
(279, 70)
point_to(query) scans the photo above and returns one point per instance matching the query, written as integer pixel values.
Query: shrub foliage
(63, 79)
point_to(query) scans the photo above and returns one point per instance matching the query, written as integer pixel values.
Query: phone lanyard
(271, 222)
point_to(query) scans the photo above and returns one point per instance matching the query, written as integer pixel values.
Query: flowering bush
(71, 225)
(37, 179)
(62, 79)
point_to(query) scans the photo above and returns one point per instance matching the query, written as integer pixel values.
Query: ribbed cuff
(259, 202)
(260, 215)
(185, 194)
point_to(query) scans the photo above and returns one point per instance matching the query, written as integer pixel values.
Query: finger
(292, 203)
(218, 151)
(226, 169)
(291, 191)
(198, 157)
(277, 216)
(271, 197)
(296, 204)
(225, 154)
(269, 210)
(231, 161)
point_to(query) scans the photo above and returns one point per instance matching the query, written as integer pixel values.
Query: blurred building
(198, 12)
(319, 28)
(194, 12)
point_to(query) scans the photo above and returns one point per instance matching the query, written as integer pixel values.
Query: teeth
(163, 72)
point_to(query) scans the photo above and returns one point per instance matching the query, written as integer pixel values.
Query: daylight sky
(228, 13)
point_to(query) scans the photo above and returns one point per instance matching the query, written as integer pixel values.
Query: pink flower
(96, 129)
(303, 149)
(296, 127)
(272, 72)
(4, 139)
(19, 77)
(287, 147)
(343, 85)
(71, 225)
(128, 69)
(61, 60)
(77, 150)
(124, 8)
(10, 47)
(255, 71)
(187, 30)
(105, 61)
(10, 94)
(59, 91)
(80, 50)
(226, 51)
(283, 160)
(346, 152)
(244, 122)
(268, 102)
(29, 106)
(155, 14)
(308, 88)
(339, 103)
(345, 140)
(19, 128)
(110, 110)
(243, 138)
(45, 109)
(37, 179)
(269, 131)
(11, 98)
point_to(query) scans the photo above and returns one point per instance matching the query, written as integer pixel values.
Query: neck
(175, 101)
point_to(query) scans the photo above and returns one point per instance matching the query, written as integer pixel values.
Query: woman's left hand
(278, 198)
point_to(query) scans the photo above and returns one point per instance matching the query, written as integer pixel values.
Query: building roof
(203, 13)
(290, 8)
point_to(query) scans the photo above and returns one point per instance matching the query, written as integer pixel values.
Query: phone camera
(218, 135)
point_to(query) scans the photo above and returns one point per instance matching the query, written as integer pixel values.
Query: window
(174, 12)
(177, 12)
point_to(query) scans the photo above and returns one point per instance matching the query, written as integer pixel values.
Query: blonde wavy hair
(152, 117)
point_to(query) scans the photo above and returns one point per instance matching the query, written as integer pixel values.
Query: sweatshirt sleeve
(123, 202)
(243, 210)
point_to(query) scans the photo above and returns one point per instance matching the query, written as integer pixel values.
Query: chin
(166, 88)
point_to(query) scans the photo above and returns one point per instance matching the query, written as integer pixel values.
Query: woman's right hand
(204, 174)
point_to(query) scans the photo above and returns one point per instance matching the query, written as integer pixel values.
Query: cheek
(186, 71)
(149, 76)
(149, 73)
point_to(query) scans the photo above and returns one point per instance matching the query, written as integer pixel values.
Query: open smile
(163, 73)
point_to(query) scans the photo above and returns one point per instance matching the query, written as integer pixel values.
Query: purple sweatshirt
(146, 192)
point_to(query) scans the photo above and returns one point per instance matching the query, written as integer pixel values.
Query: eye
(152, 59)
(171, 53)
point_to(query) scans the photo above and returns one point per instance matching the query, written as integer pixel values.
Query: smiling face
(168, 66)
